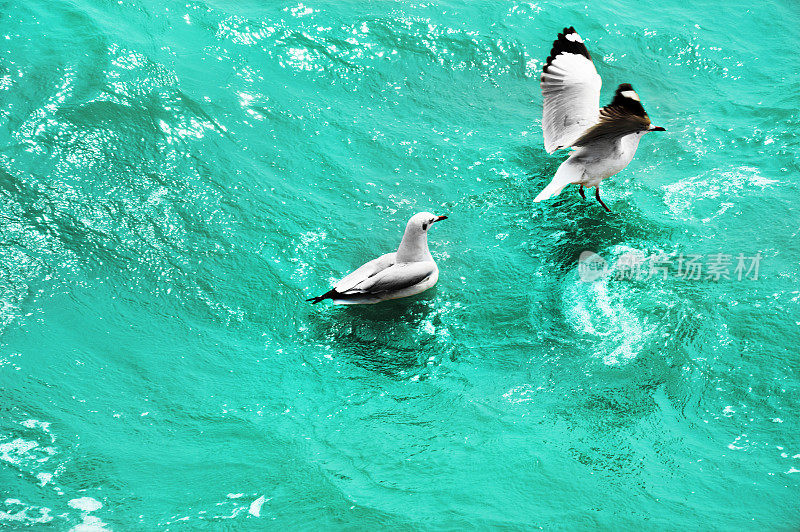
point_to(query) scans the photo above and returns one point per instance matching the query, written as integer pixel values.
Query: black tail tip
(327, 295)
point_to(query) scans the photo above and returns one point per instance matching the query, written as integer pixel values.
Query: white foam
(681, 196)
(33, 423)
(606, 311)
(521, 394)
(255, 506)
(13, 451)
(86, 504)
(21, 517)
(90, 524)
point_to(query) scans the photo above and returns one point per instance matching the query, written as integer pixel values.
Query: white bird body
(603, 161)
(406, 272)
(378, 269)
(605, 140)
(605, 158)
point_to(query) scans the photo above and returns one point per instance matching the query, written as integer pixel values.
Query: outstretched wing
(623, 116)
(571, 91)
(370, 269)
(395, 277)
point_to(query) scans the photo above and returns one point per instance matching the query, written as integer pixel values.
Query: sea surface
(177, 177)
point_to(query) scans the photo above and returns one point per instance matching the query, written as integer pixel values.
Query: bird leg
(580, 189)
(597, 195)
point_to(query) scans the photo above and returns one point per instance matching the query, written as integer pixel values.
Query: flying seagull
(605, 140)
(406, 272)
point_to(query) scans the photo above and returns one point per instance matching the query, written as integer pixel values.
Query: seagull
(605, 140)
(406, 272)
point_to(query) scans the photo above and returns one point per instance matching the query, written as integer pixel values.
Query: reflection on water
(398, 338)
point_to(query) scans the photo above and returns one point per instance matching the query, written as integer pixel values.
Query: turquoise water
(177, 177)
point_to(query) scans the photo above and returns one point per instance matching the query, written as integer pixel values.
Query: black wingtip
(567, 45)
(628, 99)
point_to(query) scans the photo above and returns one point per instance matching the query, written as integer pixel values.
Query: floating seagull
(605, 140)
(406, 272)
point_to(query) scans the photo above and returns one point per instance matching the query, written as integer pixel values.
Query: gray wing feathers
(605, 131)
(396, 277)
(614, 123)
(366, 271)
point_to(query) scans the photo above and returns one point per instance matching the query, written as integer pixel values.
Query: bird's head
(414, 246)
(421, 222)
(627, 104)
